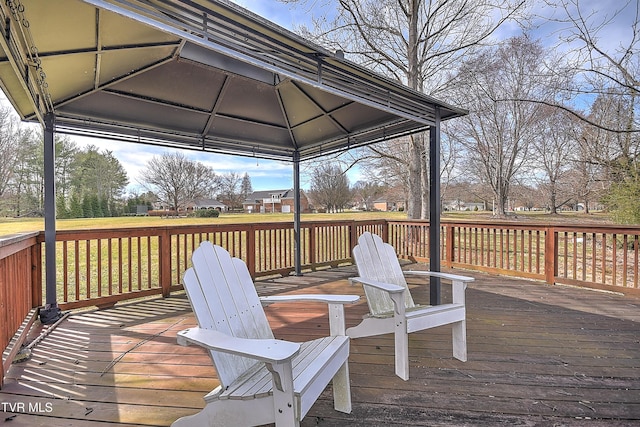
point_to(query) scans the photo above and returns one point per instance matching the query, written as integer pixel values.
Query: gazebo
(203, 75)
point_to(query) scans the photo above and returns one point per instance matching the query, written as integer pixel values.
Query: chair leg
(402, 352)
(459, 335)
(286, 410)
(342, 389)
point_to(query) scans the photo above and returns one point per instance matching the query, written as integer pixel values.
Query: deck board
(538, 355)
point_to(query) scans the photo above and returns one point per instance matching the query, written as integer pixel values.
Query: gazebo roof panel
(116, 108)
(252, 100)
(250, 133)
(62, 25)
(175, 82)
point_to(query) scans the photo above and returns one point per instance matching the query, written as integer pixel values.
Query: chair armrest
(329, 299)
(448, 276)
(388, 287)
(265, 350)
(337, 325)
(458, 283)
(396, 293)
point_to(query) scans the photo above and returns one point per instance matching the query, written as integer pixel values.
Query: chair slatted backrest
(377, 261)
(224, 298)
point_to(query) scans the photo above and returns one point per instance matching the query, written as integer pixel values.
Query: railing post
(36, 275)
(251, 251)
(164, 258)
(449, 249)
(385, 231)
(313, 231)
(353, 236)
(550, 255)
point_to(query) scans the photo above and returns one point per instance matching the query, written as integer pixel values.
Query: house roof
(209, 203)
(201, 74)
(266, 194)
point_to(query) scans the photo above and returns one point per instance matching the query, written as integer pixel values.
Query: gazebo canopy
(199, 74)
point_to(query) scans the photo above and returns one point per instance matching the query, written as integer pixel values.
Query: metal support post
(434, 208)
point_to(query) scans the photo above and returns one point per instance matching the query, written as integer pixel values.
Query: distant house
(142, 210)
(274, 201)
(459, 205)
(388, 205)
(207, 204)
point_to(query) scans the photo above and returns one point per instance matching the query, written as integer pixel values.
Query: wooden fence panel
(17, 287)
(602, 258)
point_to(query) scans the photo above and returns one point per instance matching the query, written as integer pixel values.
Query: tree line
(176, 181)
(331, 191)
(89, 182)
(92, 183)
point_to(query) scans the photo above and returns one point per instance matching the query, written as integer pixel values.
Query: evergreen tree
(100, 174)
(75, 206)
(61, 207)
(245, 187)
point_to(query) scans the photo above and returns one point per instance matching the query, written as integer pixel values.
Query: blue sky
(279, 175)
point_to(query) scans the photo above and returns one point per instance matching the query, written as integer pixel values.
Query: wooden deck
(538, 355)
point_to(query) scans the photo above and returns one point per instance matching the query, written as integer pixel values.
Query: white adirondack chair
(391, 307)
(262, 380)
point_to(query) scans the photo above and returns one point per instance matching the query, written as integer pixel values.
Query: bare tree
(599, 52)
(525, 196)
(10, 136)
(23, 170)
(230, 189)
(613, 157)
(330, 187)
(616, 152)
(367, 192)
(386, 164)
(417, 42)
(553, 149)
(497, 134)
(177, 180)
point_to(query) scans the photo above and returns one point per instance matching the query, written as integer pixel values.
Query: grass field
(11, 226)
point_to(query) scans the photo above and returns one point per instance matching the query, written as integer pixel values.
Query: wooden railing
(20, 287)
(101, 267)
(603, 257)
(599, 257)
